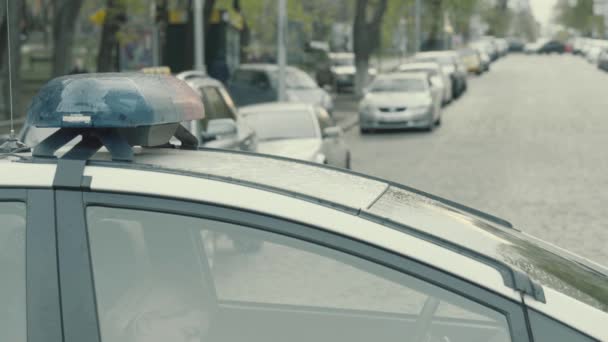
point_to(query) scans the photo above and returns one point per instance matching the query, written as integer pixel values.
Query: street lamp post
(199, 35)
(281, 42)
(418, 14)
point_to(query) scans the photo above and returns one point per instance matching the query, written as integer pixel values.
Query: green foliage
(579, 17)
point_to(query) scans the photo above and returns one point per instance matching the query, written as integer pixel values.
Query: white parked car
(441, 80)
(297, 130)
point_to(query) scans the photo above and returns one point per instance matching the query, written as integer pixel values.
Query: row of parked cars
(244, 113)
(595, 51)
(414, 93)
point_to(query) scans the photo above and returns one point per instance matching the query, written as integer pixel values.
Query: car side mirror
(332, 132)
(217, 128)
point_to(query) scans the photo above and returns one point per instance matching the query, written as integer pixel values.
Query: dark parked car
(552, 46)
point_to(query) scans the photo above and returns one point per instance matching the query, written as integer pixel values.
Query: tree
(116, 16)
(579, 17)
(366, 34)
(65, 16)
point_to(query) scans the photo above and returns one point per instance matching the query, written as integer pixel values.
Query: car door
(29, 292)
(333, 147)
(271, 280)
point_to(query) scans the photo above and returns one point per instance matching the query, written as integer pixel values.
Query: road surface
(528, 142)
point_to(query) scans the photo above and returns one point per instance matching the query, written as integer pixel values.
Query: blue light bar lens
(114, 100)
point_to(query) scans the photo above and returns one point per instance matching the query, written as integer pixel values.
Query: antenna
(12, 145)
(10, 70)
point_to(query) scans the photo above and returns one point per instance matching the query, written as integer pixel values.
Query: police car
(105, 240)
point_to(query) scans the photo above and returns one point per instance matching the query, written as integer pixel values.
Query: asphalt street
(527, 142)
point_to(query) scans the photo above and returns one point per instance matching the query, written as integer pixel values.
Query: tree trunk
(366, 34)
(108, 45)
(66, 14)
(362, 75)
(435, 40)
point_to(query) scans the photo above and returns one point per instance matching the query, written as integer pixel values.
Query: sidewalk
(346, 107)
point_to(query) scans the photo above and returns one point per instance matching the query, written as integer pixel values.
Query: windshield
(408, 85)
(288, 124)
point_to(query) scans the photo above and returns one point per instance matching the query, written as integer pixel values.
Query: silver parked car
(441, 79)
(403, 100)
(299, 131)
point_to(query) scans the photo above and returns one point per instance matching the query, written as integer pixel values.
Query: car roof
(276, 106)
(522, 260)
(481, 238)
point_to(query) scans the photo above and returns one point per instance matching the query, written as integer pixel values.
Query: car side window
(547, 329)
(12, 270)
(215, 105)
(180, 278)
(251, 78)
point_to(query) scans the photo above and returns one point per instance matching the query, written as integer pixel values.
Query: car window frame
(514, 311)
(43, 308)
(212, 107)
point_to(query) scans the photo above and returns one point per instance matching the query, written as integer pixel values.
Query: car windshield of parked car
(388, 85)
(295, 79)
(281, 125)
